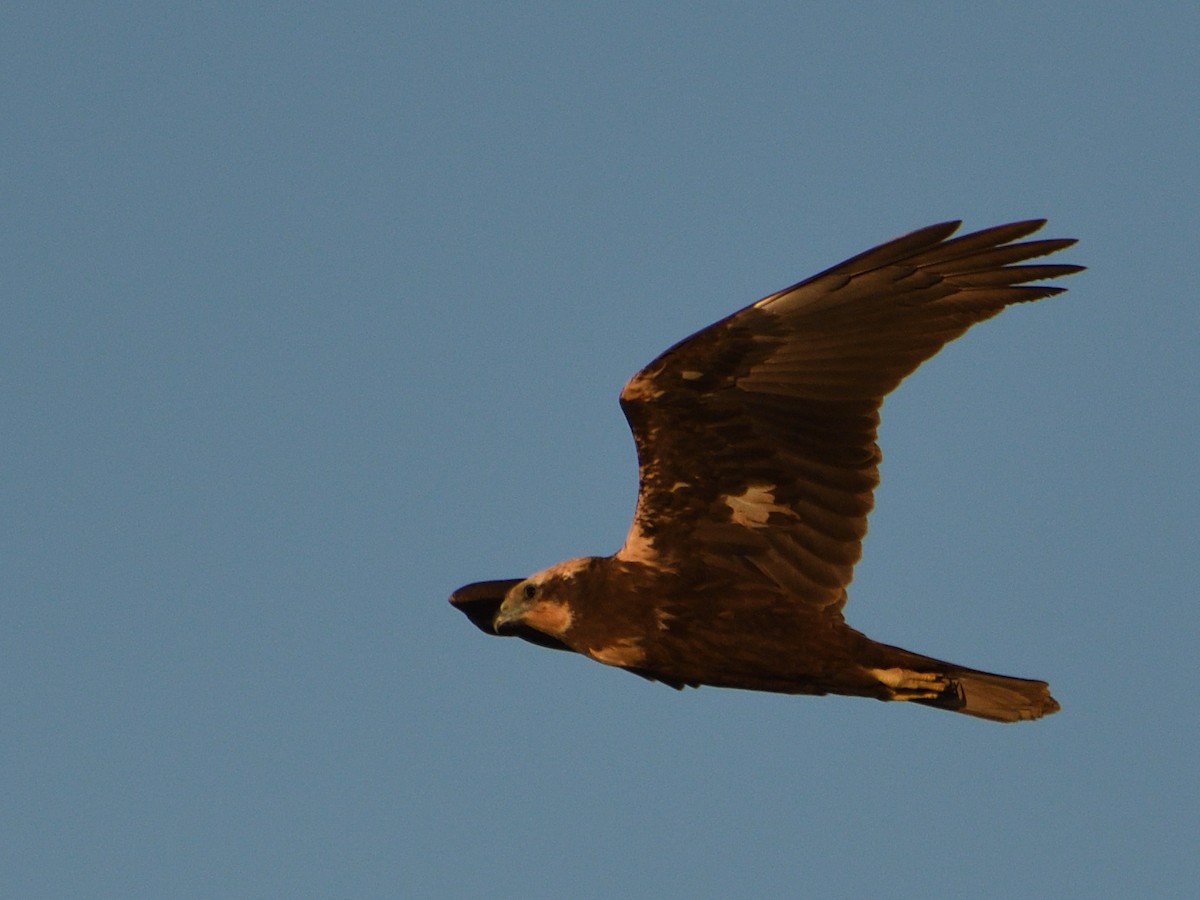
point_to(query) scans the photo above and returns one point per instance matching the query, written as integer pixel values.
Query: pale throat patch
(753, 507)
(549, 617)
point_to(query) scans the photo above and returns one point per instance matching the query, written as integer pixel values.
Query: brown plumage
(757, 463)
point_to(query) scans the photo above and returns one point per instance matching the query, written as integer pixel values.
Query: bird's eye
(530, 590)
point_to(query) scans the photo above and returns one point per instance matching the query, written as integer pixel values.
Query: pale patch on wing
(753, 507)
(638, 548)
(663, 619)
(907, 684)
(641, 387)
(624, 652)
(691, 375)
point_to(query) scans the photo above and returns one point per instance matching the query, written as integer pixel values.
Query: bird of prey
(757, 457)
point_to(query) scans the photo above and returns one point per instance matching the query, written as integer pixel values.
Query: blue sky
(312, 314)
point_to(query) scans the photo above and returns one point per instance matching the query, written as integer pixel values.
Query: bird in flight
(757, 458)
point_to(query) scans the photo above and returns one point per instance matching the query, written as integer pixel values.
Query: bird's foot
(907, 684)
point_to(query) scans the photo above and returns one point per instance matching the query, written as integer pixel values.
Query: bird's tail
(932, 682)
(1000, 698)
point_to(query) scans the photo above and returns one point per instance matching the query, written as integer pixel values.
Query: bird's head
(543, 601)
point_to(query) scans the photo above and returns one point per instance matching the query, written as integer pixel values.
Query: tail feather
(933, 682)
(1000, 698)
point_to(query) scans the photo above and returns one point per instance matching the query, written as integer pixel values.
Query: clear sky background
(313, 313)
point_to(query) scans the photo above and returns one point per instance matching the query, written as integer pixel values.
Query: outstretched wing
(756, 436)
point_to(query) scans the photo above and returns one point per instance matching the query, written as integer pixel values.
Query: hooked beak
(510, 611)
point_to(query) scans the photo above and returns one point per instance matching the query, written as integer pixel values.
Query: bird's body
(757, 457)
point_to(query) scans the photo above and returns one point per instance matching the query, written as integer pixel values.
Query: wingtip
(939, 231)
(1034, 224)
